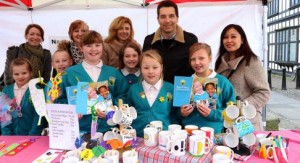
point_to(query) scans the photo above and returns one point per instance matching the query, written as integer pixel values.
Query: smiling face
(92, 53)
(78, 33)
(123, 34)
(198, 88)
(34, 36)
(167, 20)
(200, 61)
(232, 41)
(131, 58)
(151, 70)
(210, 89)
(61, 60)
(21, 74)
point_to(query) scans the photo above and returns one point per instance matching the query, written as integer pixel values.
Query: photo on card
(204, 91)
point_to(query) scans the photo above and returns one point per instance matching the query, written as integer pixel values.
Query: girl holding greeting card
(152, 98)
(90, 70)
(201, 115)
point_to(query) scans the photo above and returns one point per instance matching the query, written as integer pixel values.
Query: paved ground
(284, 104)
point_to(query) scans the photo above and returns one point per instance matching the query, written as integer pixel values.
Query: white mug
(209, 132)
(130, 156)
(199, 132)
(127, 134)
(190, 128)
(176, 145)
(221, 158)
(70, 156)
(248, 111)
(197, 145)
(112, 156)
(68, 159)
(232, 112)
(150, 136)
(230, 139)
(157, 124)
(249, 139)
(173, 127)
(122, 117)
(164, 138)
(225, 150)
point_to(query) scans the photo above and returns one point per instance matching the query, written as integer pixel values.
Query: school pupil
(61, 60)
(92, 69)
(202, 115)
(24, 117)
(129, 62)
(152, 98)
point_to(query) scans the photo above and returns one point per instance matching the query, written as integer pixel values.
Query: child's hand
(186, 110)
(101, 114)
(80, 116)
(203, 110)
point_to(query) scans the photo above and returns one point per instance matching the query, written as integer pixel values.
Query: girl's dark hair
(132, 45)
(244, 50)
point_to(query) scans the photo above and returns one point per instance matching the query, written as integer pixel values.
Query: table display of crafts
(239, 134)
(113, 145)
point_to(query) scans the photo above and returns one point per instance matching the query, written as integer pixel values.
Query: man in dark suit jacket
(171, 41)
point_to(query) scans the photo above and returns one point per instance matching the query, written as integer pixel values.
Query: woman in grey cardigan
(242, 67)
(39, 57)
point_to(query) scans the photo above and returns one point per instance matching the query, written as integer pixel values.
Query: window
(286, 45)
(273, 8)
(294, 3)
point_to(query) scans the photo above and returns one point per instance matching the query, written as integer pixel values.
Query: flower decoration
(142, 94)
(169, 96)
(112, 80)
(161, 99)
(182, 82)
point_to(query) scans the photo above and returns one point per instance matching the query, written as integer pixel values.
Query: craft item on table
(8, 149)
(105, 145)
(38, 99)
(7, 106)
(98, 151)
(78, 142)
(86, 154)
(2, 144)
(22, 145)
(53, 91)
(48, 156)
(110, 111)
(94, 123)
(115, 143)
(134, 143)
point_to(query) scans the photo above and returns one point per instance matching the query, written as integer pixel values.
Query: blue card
(182, 90)
(71, 94)
(82, 98)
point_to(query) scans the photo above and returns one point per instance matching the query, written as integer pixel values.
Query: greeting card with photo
(204, 91)
(92, 95)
